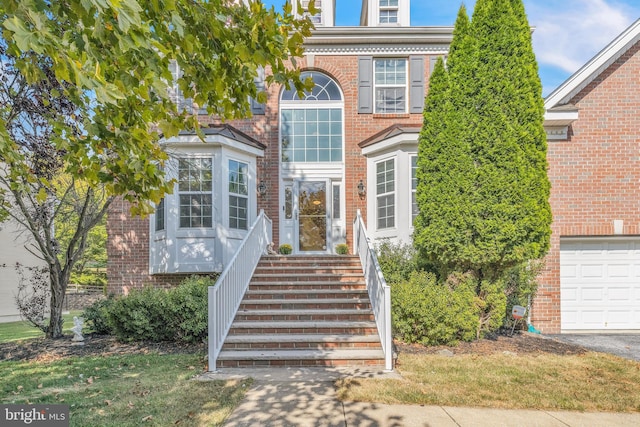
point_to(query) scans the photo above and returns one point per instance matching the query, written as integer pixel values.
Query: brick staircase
(304, 311)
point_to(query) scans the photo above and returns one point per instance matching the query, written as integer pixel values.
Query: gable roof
(592, 69)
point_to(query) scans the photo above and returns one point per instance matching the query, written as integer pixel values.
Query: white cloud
(567, 36)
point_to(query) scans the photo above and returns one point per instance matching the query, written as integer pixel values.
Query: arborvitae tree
(482, 185)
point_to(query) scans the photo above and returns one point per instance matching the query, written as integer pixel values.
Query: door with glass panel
(312, 216)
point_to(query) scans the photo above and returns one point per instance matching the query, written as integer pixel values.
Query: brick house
(351, 144)
(301, 160)
(592, 277)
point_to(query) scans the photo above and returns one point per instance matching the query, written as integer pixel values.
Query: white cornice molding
(377, 50)
(379, 40)
(592, 69)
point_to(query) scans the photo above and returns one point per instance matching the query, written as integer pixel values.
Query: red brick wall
(128, 253)
(128, 246)
(595, 173)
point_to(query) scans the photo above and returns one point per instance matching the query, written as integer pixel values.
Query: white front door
(600, 284)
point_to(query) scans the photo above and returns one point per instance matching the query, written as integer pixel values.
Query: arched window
(311, 127)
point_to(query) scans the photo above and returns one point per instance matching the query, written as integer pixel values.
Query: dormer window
(388, 12)
(317, 18)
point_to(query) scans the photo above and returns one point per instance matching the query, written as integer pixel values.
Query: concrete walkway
(307, 397)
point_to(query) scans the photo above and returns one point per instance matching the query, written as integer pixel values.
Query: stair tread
(301, 291)
(325, 354)
(290, 311)
(307, 301)
(275, 324)
(328, 338)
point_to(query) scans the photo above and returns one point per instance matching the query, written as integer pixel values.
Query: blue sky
(568, 33)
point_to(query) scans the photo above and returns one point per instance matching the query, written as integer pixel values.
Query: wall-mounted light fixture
(262, 188)
(362, 190)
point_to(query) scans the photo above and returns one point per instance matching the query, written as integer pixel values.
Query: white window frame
(414, 184)
(199, 192)
(317, 18)
(404, 86)
(235, 222)
(386, 11)
(385, 193)
(160, 215)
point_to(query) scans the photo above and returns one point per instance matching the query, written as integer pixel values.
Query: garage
(600, 284)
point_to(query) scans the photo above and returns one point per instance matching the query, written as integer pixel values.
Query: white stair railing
(379, 292)
(227, 293)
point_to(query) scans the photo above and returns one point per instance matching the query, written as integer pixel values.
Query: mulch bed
(40, 349)
(519, 343)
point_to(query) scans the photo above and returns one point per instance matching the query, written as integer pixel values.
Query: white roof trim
(592, 69)
(395, 142)
(194, 141)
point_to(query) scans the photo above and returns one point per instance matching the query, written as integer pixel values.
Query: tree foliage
(86, 95)
(483, 191)
(112, 60)
(482, 188)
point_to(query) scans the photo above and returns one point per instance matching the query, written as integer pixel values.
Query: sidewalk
(306, 397)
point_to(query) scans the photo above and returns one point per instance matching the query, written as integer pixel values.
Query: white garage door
(600, 284)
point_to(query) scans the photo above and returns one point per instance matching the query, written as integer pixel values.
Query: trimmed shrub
(189, 308)
(429, 313)
(397, 261)
(153, 314)
(142, 315)
(97, 315)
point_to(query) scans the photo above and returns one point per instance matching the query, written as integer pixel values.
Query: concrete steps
(304, 311)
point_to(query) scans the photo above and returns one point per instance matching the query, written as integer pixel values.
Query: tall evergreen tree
(483, 189)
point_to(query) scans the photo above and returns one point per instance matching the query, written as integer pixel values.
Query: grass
(15, 331)
(124, 390)
(588, 382)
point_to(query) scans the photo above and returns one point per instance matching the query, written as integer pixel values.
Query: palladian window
(311, 126)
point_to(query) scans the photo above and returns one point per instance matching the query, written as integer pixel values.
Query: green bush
(153, 314)
(189, 309)
(429, 313)
(97, 315)
(142, 315)
(285, 249)
(342, 249)
(397, 261)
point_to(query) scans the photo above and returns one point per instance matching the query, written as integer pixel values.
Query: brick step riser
(314, 330)
(278, 271)
(249, 305)
(305, 317)
(300, 298)
(296, 362)
(301, 346)
(307, 277)
(274, 286)
(353, 268)
(309, 258)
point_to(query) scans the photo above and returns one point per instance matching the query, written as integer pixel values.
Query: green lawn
(14, 331)
(154, 390)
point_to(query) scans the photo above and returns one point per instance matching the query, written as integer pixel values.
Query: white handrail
(379, 291)
(226, 294)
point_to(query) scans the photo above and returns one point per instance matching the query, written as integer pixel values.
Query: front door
(312, 216)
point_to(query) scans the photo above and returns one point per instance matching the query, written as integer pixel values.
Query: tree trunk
(59, 281)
